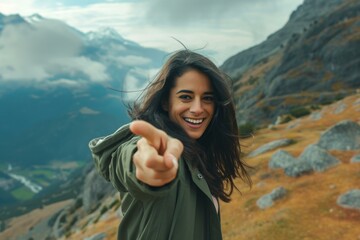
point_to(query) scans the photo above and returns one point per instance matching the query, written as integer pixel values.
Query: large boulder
(267, 200)
(318, 158)
(355, 159)
(342, 136)
(297, 169)
(350, 199)
(281, 159)
(313, 158)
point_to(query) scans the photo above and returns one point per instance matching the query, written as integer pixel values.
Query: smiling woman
(178, 157)
(191, 103)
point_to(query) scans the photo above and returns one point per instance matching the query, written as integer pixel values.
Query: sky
(220, 28)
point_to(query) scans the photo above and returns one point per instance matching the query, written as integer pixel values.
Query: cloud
(78, 66)
(132, 60)
(35, 53)
(88, 111)
(183, 12)
(224, 27)
(136, 81)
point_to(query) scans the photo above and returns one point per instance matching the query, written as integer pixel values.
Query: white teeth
(194, 121)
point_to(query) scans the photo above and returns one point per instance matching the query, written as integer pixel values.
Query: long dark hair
(217, 152)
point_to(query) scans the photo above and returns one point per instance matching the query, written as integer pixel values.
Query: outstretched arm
(156, 158)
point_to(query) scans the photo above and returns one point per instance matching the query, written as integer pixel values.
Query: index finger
(154, 136)
(173, 152)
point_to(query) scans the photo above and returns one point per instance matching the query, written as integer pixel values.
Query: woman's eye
(208, 98)
(185, 97)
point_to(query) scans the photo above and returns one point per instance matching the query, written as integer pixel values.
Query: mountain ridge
(300, 66)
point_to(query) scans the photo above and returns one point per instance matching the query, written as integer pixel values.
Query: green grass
(22, 193)
(49, 174)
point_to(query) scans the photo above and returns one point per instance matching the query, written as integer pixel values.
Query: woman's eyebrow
(191, 92)
(184, 91)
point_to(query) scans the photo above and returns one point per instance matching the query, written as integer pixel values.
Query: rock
(340, 108)
(318, 158)
(299, 168)
(316, 115)
(267, 200)
(270, 146)
(98, 236)
(350, 199)
(343, 136)
(355, 159)
(281, 159)
(95, 188)
(356, 102)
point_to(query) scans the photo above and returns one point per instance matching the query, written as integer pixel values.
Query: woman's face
(191, 103)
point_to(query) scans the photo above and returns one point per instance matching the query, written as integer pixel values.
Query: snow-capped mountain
(56, 87)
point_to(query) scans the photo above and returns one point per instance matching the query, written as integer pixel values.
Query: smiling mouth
(194, 121)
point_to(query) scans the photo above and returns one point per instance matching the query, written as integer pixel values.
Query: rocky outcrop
(270, 146)
(318, 158)
(313, 59)
(267, 200)
(98, 236)
(95, 188)
(355, 159)
(342, 136)
(313, 158)
(305, 15)
(281, 159)
(350, 199)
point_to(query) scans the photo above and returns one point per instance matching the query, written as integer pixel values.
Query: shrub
(103, 210)
(246, 130)
(299, 112)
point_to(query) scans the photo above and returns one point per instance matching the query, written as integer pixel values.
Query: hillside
(309, 210)
(60, 87)
(313, 59)
(291, 89)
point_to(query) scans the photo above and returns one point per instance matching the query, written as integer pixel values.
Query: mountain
(312, 60)
(308, 67)
(59, 88)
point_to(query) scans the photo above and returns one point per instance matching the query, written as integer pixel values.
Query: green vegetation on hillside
(22, 193)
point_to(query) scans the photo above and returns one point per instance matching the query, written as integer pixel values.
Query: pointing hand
(156, 158)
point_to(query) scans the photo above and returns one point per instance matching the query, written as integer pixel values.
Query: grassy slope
(309, 210)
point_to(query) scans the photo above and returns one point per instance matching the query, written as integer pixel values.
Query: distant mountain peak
(108, 34)
(105, 33)
(34, 18)
(11, 19)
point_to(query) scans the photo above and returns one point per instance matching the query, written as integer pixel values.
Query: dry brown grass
(20, 225)
(308, 211)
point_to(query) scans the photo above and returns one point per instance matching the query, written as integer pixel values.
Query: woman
(178, 157)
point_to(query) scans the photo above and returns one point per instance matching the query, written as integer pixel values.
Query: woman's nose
(196, 107)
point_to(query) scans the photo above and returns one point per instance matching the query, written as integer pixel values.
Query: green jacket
(180, 210)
